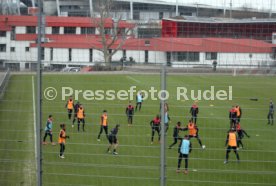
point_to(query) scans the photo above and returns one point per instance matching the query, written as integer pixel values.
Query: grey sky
(256, 4)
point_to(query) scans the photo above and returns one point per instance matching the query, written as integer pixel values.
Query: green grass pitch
(86, 161)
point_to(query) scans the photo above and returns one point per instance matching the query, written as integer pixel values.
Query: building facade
(76, 41)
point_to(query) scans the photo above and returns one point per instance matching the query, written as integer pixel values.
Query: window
(87, 30)
(188, 56)
(70, 54)
(51, 54)
(2, 33)
(69, 30)
(55, 30)
(146, 56)
(2, 47)
(27, 49)
(13, 33)
(211, 56)
(124, 54)
(107, 31)
(27, 65)
(30, 29)
(12, 49)
(161, 15)
(42, 53)
(91, 55)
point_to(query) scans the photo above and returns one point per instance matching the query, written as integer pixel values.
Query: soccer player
(270, 113)
(81, 117)
(240, 133)
(233, 117)
(155, 126)
(185, 148)
(104, 125)
(193, 132)
(139, 100)
(48, 130)
(239, 113)
(129, 113)
(194, 111)
(166, 121)
(231, 143)
(113, 141)
(70, 105)
(176, 130)
(76, 108)
(62, 139)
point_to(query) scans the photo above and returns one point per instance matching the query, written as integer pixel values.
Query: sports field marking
(133, 79)
(34, 117)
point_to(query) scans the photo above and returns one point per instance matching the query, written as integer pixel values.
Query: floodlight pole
(163, 130)
(38, 97)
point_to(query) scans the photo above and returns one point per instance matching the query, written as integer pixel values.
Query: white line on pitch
(34, 114)
(133, 79)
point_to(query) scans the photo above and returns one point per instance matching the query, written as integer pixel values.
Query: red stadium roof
(59, 21)
(223, 45)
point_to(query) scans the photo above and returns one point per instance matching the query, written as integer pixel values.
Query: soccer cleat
(62, 156)
(225, 162)
(98, 139)
(185, 171)
(203, 147)
(177, 170)
(115, 153)
(72, 126)
(151, 142)
(44, 143)
(53, 143)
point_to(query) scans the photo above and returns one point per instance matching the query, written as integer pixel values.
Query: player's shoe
(203, 147)
(62, 157)
(225, 162)
(185, 171)
(53, 143)
(72, 126)
(177, 170)
(98, 139)
(115, 153)
(44, 143)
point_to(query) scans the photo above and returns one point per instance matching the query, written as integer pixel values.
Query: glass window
(12, 49)
(30, 29)
(87, 30)
(69, 30)
(2, 33)
(55, 30)
(27, 49)
(211, 56)
(2, 47)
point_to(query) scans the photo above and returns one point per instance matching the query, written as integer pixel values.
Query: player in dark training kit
(176, 136)
(129, 113)
(155, 126)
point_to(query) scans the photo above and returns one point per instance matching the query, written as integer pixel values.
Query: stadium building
(75, 41)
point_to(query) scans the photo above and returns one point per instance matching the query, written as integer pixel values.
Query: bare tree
(112, 36)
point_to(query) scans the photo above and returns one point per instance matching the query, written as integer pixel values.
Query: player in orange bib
(62, 140)
(104, 125)
(193, 132)
(81, 116)
(70, 106)
(231, 143)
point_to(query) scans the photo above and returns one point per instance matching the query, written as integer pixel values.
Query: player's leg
(106, 131)
(45, 136)
(79, 120)
(152, 134)
(228, 150)
(158, 132)
(237, 154)
(179, 162)
(140, 105)
(175, 142)
(83, 124)
(186, 157)
(199, 140)
(101, 130)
